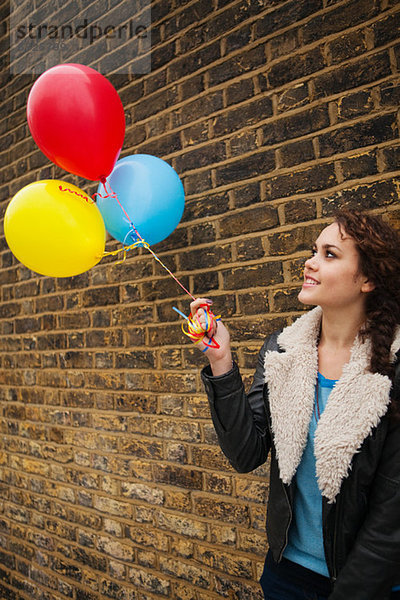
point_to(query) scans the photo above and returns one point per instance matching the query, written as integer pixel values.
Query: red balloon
(77, 119)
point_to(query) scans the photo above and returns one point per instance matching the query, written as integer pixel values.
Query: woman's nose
(311, 263)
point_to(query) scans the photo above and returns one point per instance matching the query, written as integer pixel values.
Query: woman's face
(332, 278)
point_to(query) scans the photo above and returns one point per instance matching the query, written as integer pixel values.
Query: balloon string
(112, 194)
(140, 243)
(195, 330)
(168, 271)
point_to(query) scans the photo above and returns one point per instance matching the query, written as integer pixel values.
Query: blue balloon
(152, 196)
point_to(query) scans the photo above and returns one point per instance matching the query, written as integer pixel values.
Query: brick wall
(111, 481)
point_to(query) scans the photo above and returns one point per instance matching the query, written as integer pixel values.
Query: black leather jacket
(361, 529)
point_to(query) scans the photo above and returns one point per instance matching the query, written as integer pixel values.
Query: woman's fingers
(197, 309)
(198, 302)
(215, 341)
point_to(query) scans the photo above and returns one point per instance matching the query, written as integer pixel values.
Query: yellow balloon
(54, 228)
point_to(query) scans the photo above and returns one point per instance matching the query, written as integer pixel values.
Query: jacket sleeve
(240, 420)
(373, 565)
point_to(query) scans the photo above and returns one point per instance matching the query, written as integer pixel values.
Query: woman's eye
(328, 253)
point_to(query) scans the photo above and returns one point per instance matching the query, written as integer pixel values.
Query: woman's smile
(309, 281)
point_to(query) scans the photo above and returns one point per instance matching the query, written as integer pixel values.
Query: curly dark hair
(378, 245)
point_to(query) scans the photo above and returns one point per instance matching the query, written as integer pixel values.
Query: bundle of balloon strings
(195, 330)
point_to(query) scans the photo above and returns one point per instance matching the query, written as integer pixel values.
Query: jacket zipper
(288, 526)
(335, 535)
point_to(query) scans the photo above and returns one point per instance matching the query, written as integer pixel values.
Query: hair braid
(378, 245)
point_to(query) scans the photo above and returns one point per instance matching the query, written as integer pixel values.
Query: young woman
(325, 402)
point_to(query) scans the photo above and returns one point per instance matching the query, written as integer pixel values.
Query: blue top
(305, 544)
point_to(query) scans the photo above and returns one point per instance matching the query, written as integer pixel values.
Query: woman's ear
(367, 286)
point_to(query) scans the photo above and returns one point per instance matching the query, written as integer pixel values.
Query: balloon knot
(103, 179)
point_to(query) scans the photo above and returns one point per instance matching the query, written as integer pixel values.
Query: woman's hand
(220, 358)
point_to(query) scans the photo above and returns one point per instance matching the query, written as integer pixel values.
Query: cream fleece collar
(355, 405)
